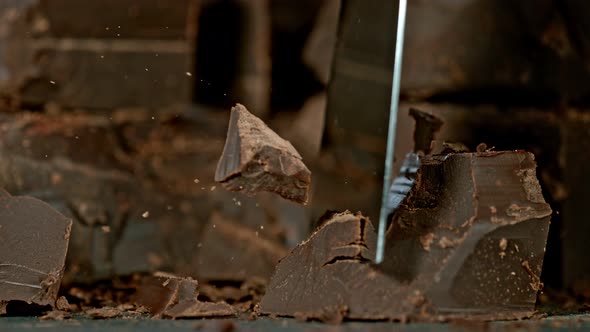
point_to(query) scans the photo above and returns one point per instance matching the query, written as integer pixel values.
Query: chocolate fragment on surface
(56, 315)
(256, 159)
(169, 296)
(243, 296)
(33, 246)
(62, 304)
(103, 313)
(451, 250)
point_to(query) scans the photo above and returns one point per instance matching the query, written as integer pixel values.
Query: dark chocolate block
(169, 296)
(256, 159)
(469, 239)
(33, 246)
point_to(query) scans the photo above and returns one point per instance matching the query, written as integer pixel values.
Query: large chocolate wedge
(256, 159)
(468, 240)
(33, 245)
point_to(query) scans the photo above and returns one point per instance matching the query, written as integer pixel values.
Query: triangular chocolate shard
(256, 159)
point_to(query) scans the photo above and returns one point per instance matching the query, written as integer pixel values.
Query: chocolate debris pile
(469, 238)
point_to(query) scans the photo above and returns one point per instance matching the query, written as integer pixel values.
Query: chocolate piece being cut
(169, 296)
(328, 277)
(256, 159)
(468, 230)
(426, 127)
(468, 240)
(33, 245)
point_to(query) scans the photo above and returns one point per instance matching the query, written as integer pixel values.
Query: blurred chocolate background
(115, 112)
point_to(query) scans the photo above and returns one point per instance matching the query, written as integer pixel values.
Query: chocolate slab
(328, 277)
(33, 246)
(256, 159)
(166, 295)
(468, 240)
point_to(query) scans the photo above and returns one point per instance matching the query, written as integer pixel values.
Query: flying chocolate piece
(33, 246)
(427, 125)
(468, 241)
(256, 159)
(169, 296)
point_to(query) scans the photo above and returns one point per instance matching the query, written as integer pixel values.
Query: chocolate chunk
(426, 127)
(256, 159)
(33, 245)
(198, 309)
(230, 251)
(169, 296)
(468, 240)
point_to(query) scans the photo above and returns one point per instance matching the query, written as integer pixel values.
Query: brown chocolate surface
(168, 296)
(230, 251)
(256, 159)
(106, 174)
(33, 245)
(468, 240)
